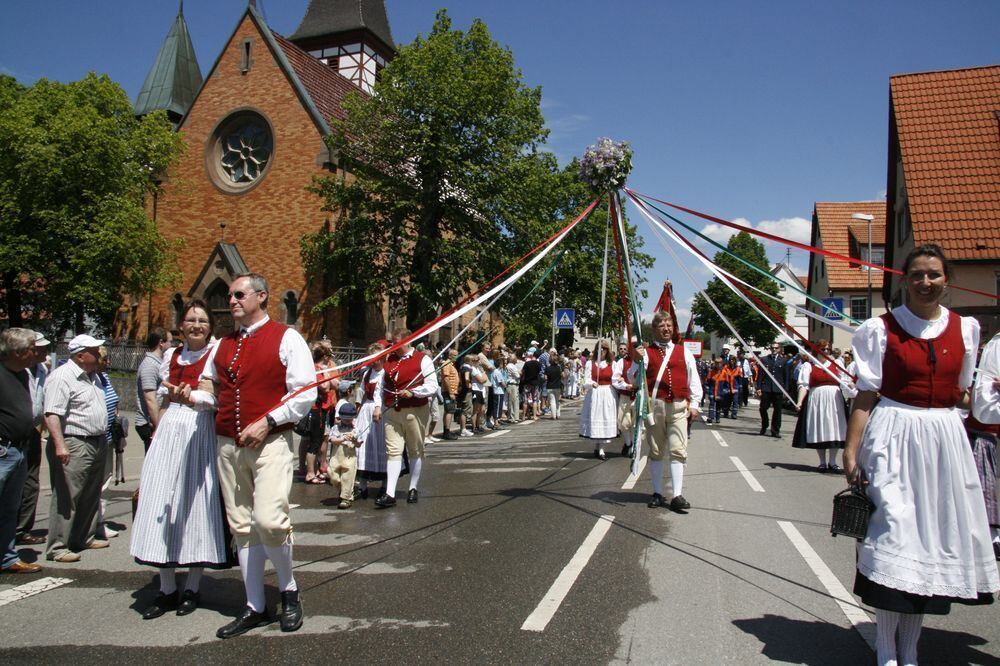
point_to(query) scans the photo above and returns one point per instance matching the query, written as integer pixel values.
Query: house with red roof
(943, 182)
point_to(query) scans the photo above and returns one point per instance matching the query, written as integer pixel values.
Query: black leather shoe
(290, 615)
(189, 602)
(679, 504)
(656, 501)
(996, 550)
(384, 501)
(601, 455)
(411, 497)
(363, 494)
(762, 431)
(775, 435)
(250, 619)
(626, 451)
(161, 604)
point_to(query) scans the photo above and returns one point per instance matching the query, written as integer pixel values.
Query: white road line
(857, 616)
(495, 434)
(528, 422)
(31, 589)
(632, 478)
(718, 438)
(550, 603)
(750, 479)
(500, 470)
(498, 459)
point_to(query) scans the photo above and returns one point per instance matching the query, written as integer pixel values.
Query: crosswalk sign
(565, 318)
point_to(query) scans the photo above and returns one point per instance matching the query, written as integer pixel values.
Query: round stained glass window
(241, 151)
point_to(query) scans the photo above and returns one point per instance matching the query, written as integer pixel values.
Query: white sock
(886, 623)
(602, 444)
(677, 476)
(193, 580)
(252, 561)
(416, 465)
(822, 456)
(909, 636)
(281, 557)
(392, 470)
(831, 456)
(168, 581)
(656, 475)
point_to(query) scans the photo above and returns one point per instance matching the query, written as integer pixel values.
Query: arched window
(217, 297)
(291, 302)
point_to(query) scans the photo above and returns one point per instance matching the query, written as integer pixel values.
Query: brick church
(254, 129)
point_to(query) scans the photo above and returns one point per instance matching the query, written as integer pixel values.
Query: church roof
(175, 78)
(326, 17)
(321, 84)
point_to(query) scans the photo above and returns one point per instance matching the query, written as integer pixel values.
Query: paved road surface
(522, 549)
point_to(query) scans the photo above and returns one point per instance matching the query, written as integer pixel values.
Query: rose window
(245, 153)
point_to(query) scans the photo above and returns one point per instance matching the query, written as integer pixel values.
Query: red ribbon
(612, 211)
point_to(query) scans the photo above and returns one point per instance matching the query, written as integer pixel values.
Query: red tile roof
(949, 139)
(835, 225)
(325, 86)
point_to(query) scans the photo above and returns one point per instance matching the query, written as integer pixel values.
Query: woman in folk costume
(822, 421)
(626, 398)
(983, 426)
(928, 541)
(179, 519)
(371, 452)
(599, 413)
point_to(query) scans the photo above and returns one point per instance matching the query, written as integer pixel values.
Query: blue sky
(746, 110)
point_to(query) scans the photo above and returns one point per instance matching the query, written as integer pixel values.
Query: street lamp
(869, 219)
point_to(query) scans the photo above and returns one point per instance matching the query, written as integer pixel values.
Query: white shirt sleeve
(430, 385)
(694, 379)
(970, 336)
(805, 371)
(869, 349)
(294, 354)
(985, 398)
(161, 390)
(588, 374)
(617, 379)
(208, 372)
(634, 378)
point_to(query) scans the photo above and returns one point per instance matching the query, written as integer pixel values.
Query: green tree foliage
(76, 167)
(444, 184)
(750, 325)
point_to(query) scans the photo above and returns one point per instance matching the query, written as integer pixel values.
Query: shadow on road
(793, 467)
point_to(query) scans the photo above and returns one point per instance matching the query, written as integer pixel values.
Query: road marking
(550, 603)
(497, 470)
(31, 589)
(527, 422)
(718, 438)
(632, 478)
(753, 483)
(293, 506)
(498, 459)
(856, 616)
(495, 434)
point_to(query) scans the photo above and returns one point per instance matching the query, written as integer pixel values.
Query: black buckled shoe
(679, 504)
(189, 602)
(161, 604)
(656, 501)
(385, 500)
(412, 496)
(250, 619)
(290, 615)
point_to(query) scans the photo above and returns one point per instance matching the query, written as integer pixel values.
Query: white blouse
(203, 400)
(985, 398)
(870, 340)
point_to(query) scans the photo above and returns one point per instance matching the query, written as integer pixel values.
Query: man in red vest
(408, 384)
(675, 393)
(253, 372)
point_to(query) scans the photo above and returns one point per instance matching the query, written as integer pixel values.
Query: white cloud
(793, 228)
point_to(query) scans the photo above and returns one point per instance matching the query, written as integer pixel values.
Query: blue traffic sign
(833, 308)
(565, 318)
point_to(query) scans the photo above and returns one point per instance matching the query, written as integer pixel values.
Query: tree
(76, 168)
(431, 156)
(748, 323)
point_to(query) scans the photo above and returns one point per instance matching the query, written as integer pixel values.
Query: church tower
(175, 78)
(352, 37)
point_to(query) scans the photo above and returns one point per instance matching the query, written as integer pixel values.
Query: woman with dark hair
(822, 411)
(599, 413)
(314, 440)
(928, 542)
(179, 519)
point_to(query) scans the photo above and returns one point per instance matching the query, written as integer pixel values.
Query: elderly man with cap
(38, 372)
(671, 376)
(258, 374)
(76, 416)
(407, 386)
(17, 432)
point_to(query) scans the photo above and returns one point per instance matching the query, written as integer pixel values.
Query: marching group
(217, 418)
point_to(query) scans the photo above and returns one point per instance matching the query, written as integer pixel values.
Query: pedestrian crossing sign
(565, 318)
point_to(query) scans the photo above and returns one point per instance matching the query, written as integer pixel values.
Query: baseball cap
(81, 342)
(41, 340)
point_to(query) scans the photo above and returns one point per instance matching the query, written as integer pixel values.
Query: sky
(750, 111)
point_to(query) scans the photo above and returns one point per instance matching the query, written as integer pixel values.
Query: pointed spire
(175, 77)
(330, 17)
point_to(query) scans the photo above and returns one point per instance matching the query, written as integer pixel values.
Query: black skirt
(887, 598)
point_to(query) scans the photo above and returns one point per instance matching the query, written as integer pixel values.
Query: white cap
(83, 341)
(534, 343)
(40, 340)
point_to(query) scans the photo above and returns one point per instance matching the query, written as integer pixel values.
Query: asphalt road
(523, 548)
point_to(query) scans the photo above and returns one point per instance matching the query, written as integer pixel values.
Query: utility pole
(553, 338)
(869, 219)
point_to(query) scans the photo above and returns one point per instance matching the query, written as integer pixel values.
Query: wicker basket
(851, 511)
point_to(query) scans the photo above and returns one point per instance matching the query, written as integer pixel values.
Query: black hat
(347, 411)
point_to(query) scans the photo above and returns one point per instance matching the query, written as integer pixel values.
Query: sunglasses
(240, 295)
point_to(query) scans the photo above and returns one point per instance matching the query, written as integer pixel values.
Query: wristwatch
(271, 423)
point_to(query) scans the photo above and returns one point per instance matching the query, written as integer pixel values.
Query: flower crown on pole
(606, 165)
